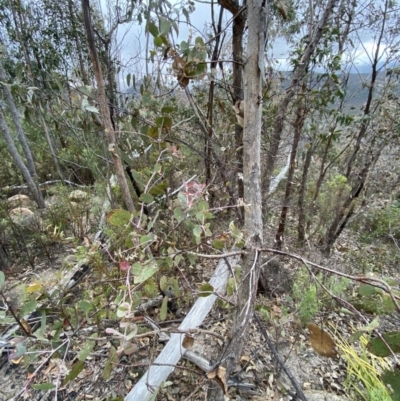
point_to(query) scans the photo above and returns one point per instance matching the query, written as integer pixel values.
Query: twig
(223, 255)
(362, 279)
(271, 346)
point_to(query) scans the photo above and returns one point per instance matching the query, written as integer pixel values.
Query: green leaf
(2, 278)
(164, 122)
(43, 386)
(197, 231)
(128, 79)
(146, 239)
(147, 198)
(146, 272)
(123, 309)
(77, 368)
(184, 46)
(110, 363)
(390, 281)
(377, 347)
(366, 290)
(163, 283)
(175, 26)
(192, 258)
(206, 290)
(118, 217)
(199, 41)
(92, 109)
(28, 307)
(152, 132)
(87, 348)
(218, 244)
(186, 14)
(167, 109)
(203, 205)
(178, 214)
(20, 350)
(164, 309)
(392, 378)
(165, 27)
(139, 178)
(85, 306)
(152, 28)
(158, 41)
(159, 189)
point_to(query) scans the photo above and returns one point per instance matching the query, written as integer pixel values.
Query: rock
(24, 217)
(78, 196)
(19, 200)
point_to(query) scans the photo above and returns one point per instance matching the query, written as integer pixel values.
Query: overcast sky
(132, 42)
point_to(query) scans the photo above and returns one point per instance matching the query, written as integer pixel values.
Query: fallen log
(165, 363)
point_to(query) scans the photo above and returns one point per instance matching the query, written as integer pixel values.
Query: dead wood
(165, 363)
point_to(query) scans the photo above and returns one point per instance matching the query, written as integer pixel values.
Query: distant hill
(356, 89)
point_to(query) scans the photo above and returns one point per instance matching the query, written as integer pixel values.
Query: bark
(298, 75)
(252, 181)
(347, 208)
(301, 229)
(165, 363)
(210, 112)
(17, 122)
(367, 109)
(298, 126)
(238, 25)
(82, 68)
(108, 128)
(50, 144)
(33, 187)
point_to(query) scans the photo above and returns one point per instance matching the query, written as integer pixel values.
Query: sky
(132, 42)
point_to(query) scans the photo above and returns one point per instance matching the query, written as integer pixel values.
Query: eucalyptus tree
(368, 135)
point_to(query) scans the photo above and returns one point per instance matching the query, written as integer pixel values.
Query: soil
(320, 378)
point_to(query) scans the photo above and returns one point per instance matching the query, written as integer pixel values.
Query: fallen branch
(164, 364)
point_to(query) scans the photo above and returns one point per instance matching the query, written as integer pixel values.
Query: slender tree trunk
(252, 180)
(50, 144)
(301, 229)
(37, 195)
(367, 109)
(108, 128)
(238, 25)
(82, 68)
(298, 75)
(210, 108)
(346, 210)
(17, 122)
(298, 127)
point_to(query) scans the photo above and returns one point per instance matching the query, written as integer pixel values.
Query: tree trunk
(82, 68)
(298, 75)
(210, 107)
(238, 25)
(298, 126)
(105, 112)
(301, 229)
(50, 144)
(252, 181)
(17, 122)
(33, 187)
(347, 208)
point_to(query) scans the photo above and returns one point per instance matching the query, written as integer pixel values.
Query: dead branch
(165, 363)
